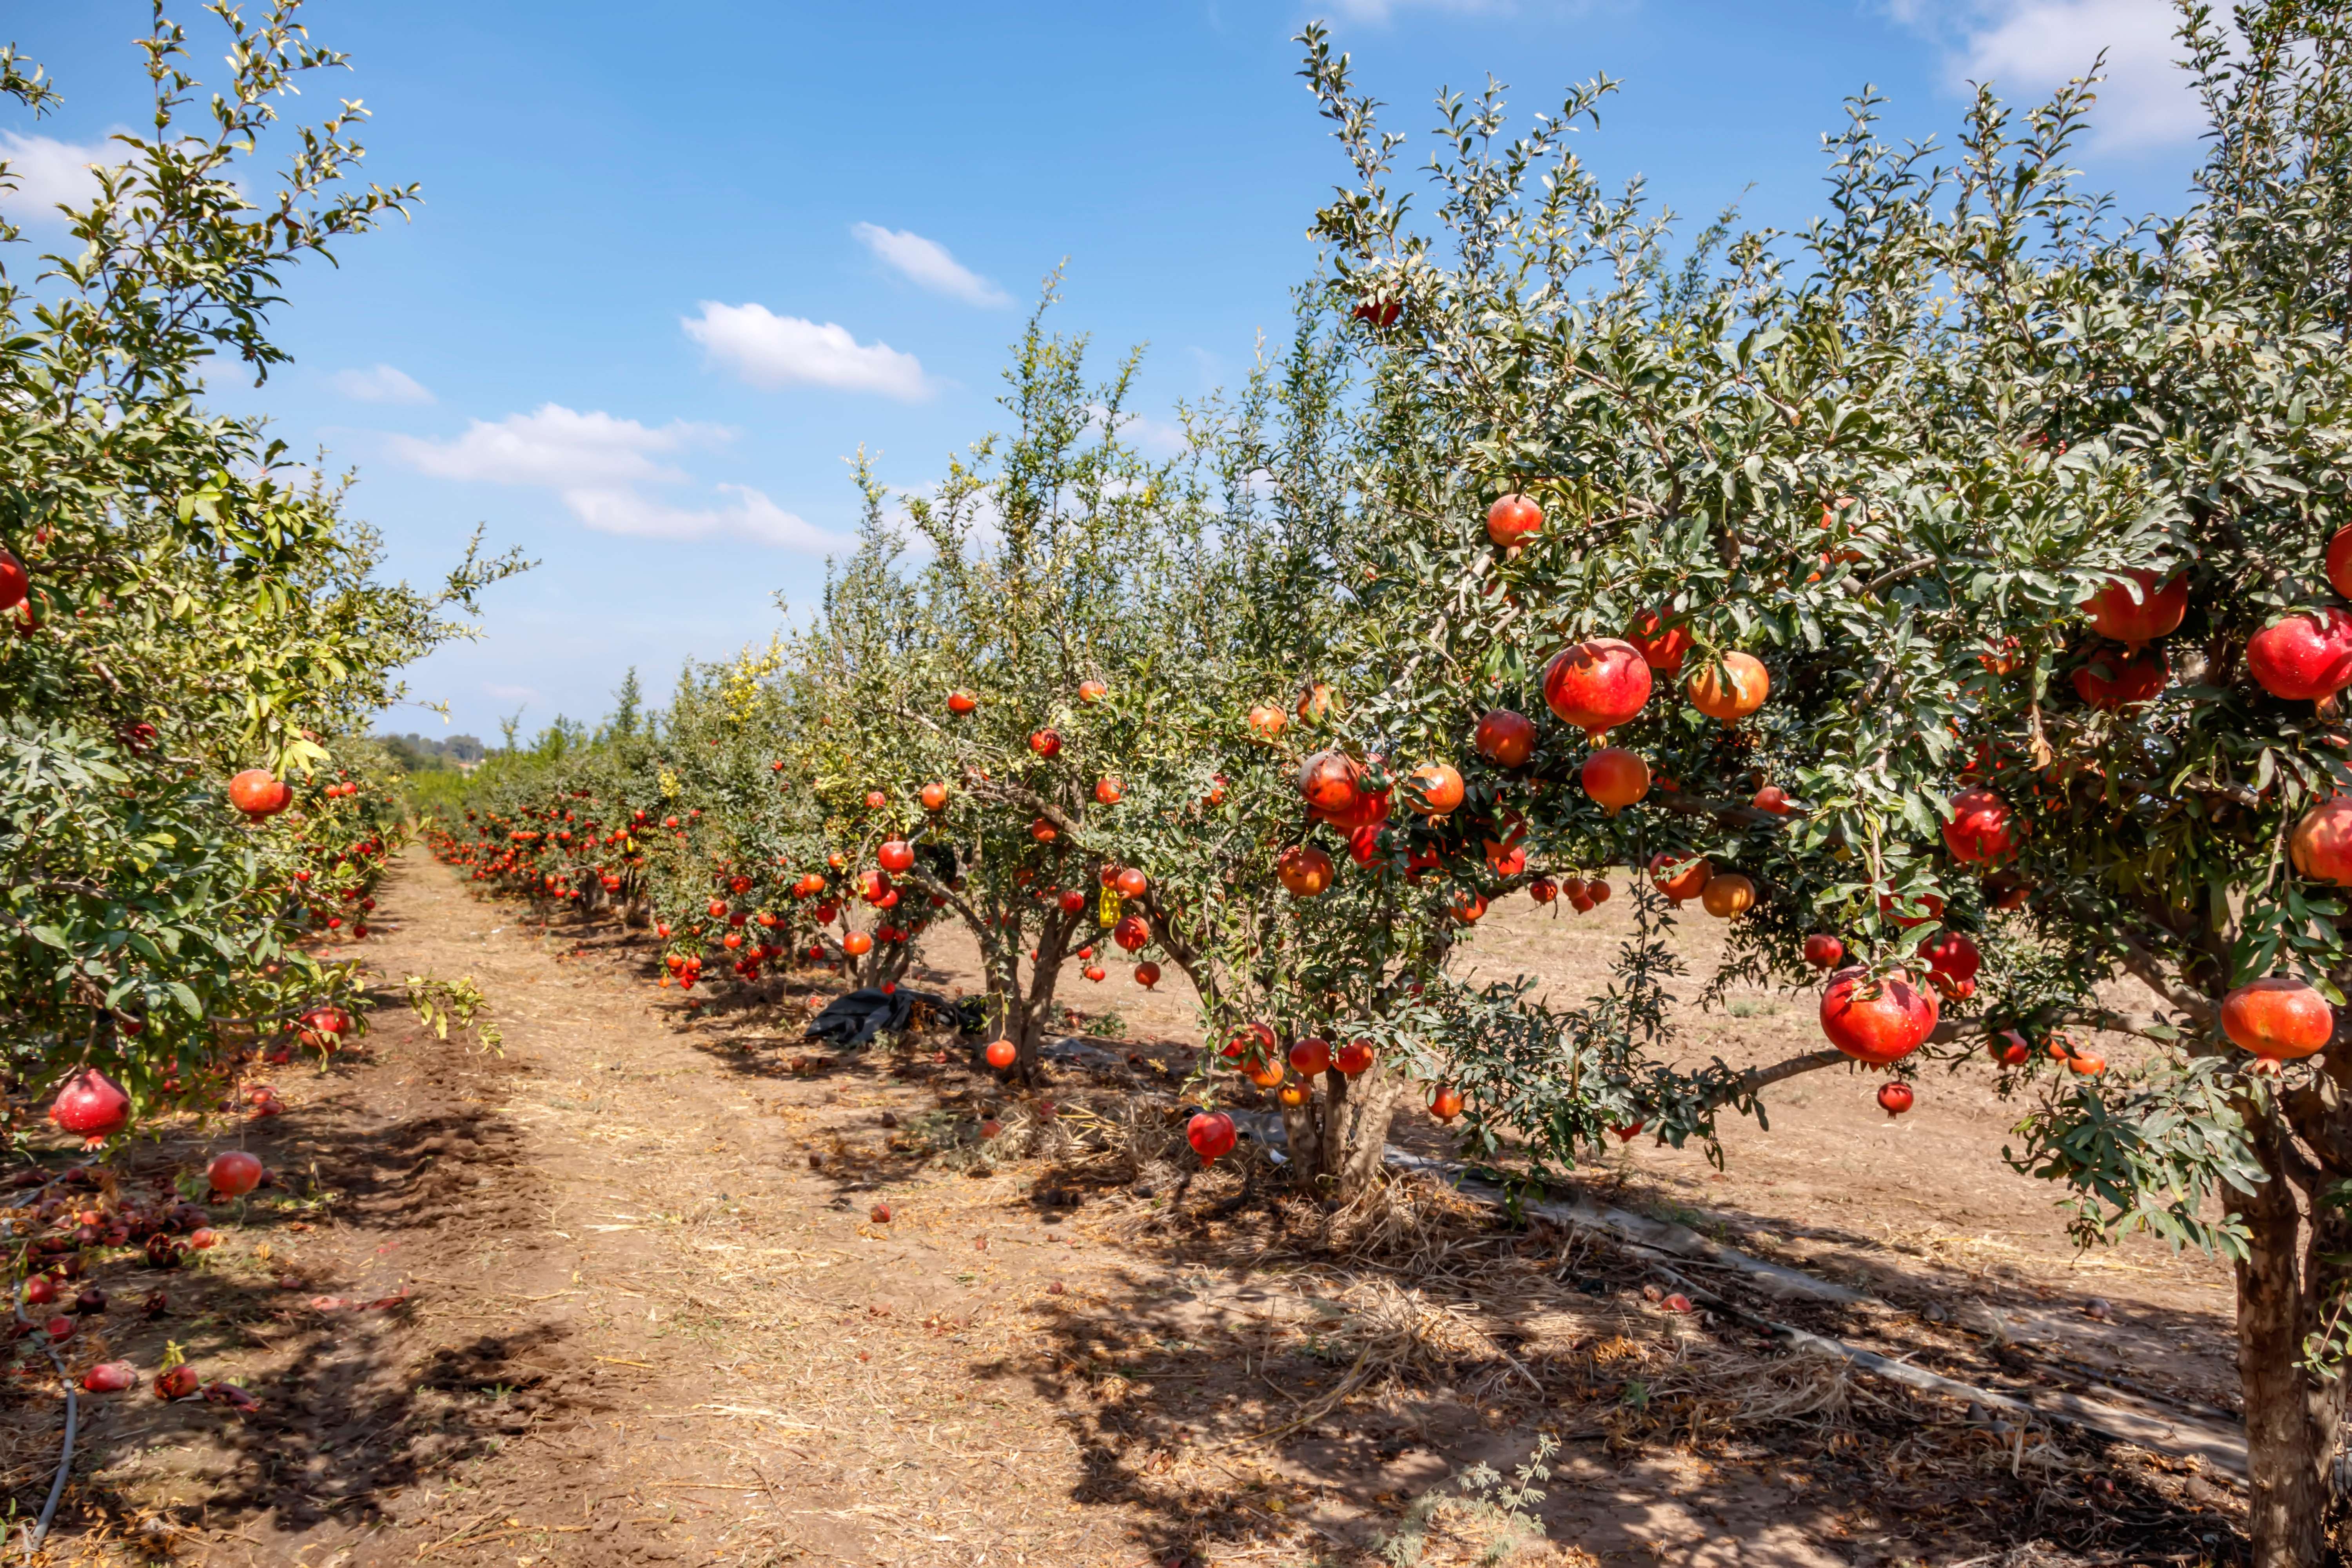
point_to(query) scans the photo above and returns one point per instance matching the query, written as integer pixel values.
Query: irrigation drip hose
(39, 1531)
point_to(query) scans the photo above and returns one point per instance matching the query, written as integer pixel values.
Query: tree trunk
(1356, 1141)
(2291, 1417)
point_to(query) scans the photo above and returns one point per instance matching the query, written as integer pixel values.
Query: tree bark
(2292, 1416)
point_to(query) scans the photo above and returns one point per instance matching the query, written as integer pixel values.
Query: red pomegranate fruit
(2010, 1048)
(961, 702)
(2321, 846)
(2115, 614)
(1664, 645)
(1047, 743)
(259, 794)
(1445, 1102)
(1211, 1135)
(1310, 1055)
(1952, 955)
(2278, 1019)
(110, 1377)
(1731, 690)
(1353, 1057)
(2339, 562)
(1147, 974)
(1330, 781)
(1678, 877)
(1512, 519)
(1616, 778)
(1823, 950)
(14, 581)
(233, 1173)
(1877, 1021)
(1895, 1098)
(1983, 828)
(1131, 933)
(895, 855)
(90, 1104)
(1001, 1053)
(1304, 871)
(1434, 789)
(2114, 681)
(2305, 658)
(1597, 684)
(1506, 739)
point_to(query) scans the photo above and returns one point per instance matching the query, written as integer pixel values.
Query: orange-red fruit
(2321, 848)
(233, 1173)
(2339, 563)
(1434, 789)
(1663, 648)
(1688, 882)
(857, 944)
(1353, 1057)
(1543, 890)
(2305, 658)
(1212, 1134)
(1043, 831)
(1732, 690)
(1774, 799)
(1727, 897)
(1001, 1053)
(961, 702)
(2112, 681)
(2010, 1048)
(1268, 721)
(1072, 900)
(1512, 519)
(1445, 1103)
(1047, 743)
(2113, 613)
(258, 794)
(1983, 828)
(1313, 701)
(895, 855)
(1328, 780)
(1305, 870)
(876, 800)
(1597, 684)
(1109, 793)
(1895, 1098)
(1131, 933)
(90, 1105)
(1130, 883)
(2278, 1019)
(1095, 971)
(1952, 954)
(1147, 974)
(1294, 1093)
(934, 797)
(1616, 778)
(1506, 739)
(1823, 950)
(1468, 906)
(1310, 1055)
(1930, 902)
(1878, 1022)
(1092, 691)
(109, 1377)
(14, 581)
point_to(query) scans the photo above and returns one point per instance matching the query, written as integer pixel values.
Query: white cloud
(48, 172)
(1382, 10)
(927, 264)
(510, 693)
(596, 464)
(1153, 438)
(2026, 48)
(771, 350)
(378, 384)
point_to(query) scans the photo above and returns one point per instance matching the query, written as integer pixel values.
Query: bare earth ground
(655, 1315)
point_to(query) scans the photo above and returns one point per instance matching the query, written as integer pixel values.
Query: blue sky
(675, 264)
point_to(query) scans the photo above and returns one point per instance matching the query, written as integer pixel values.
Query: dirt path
(626, 1294)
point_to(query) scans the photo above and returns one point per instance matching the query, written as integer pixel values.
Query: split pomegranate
(1445, 1102)
(1330, 781)
(1895, 1098)
(1823, 950)
(1047, 743)
(2278, 1019)
(1664, 646)
(1512, 519)
(1876, 1021)
(1304, 870)
(177, 1383)
(2113, 612)
(90, 1104)
(895, 855)
(1001, 1053)
(1434, 789)
(2321, 848)
(1687, 882)
(2305, 658)
(1211, 1135)
(1506, 739)
(1732, 690)
(259, 794)
(1616, 778)
(1310, 1055)
(1983, 828)
(1597, 684)
(233, 1173)
(1728, 896)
